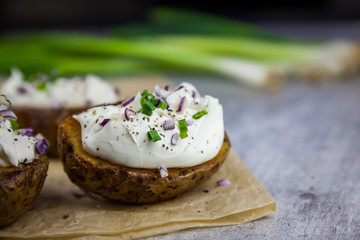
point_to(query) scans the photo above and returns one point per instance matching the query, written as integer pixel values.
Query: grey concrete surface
(303, 144)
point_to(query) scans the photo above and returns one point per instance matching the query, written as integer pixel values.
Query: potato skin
(45, 121)
(19, 187)
(125, 184)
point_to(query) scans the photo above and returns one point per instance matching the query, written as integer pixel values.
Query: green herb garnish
(162, 105)
(14, 124)
(41, 85)
(200, 114)
(183, 128)
(7, 100)
(153, 136)
(154, 101)
(148, 108)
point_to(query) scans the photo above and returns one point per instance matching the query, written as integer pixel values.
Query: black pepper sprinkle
(163, 145)
(202, 151)
(15, 139)
(97, 149)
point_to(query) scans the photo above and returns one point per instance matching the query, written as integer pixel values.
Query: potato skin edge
(45, 121)
(126, 184)
(19, 188)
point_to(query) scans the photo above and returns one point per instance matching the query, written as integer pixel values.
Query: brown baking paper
(59, 211)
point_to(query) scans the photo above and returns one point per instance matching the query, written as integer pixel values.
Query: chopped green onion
(148, 108)
(7, 100)
(144, 97)
(200, 114)
(145, 93)
(183, 128)
(153, 100)
(162, 105)
(153, 136)
(14, 124)
(41, 86)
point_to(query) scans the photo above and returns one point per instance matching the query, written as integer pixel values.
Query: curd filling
(106, 132)
(64, 92)
(14, 148)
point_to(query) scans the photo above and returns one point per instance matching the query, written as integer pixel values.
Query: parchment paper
(63, 211)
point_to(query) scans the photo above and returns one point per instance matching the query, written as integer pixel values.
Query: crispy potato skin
(125, 184)
(45, 121)
(19, 187)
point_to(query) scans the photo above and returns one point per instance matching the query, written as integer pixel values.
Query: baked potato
(46, 121)
(126, 184)
(19, 187)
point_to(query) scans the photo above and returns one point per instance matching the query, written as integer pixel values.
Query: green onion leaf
(153, 100)
(162, 105)
(148, 108)
(153, 136)
(200, 114)
(41, 86)
(7, 100)
(183, 128)
(14, 124)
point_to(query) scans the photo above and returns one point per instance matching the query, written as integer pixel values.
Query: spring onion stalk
(238, 69)
(33, 57)
(316, 60)
(224, 37)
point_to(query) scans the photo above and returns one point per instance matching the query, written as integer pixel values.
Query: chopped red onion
(8, 114)
(169, 124)
(189, 122)
(41, 146)
(193, 93)
(157, 91)
(223, 182)
(22, 90)
(88, 102)
(163, 171)
(104, 122)
(39, 137)
(78, 194)
(26, 132)
(128, 113)
(57, 107)
(177, 88)
(174, 139)
(128, 101)
(167, 87)
(182, 101)
(3, 107)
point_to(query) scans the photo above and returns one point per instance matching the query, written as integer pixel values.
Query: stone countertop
(303, 144)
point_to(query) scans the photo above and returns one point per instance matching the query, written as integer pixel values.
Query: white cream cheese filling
(126, 142)
(74, 92)
(14, 148)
